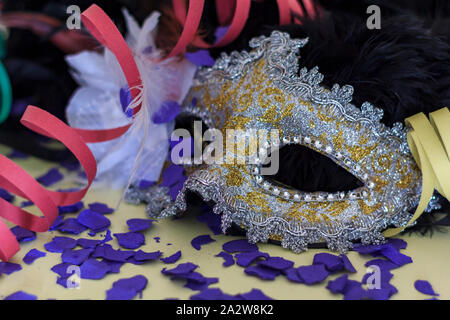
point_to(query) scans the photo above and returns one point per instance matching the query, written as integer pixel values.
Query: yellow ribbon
(429, 142)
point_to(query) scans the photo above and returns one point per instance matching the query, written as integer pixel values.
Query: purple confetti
(93, 269)
(9, 267)
(276, 263)
(167, 112)
(70, 166)
(254, 294)
(57, 223)
(382, 264)
(425, 287)
(330, 261)
(228, 258)
(71, 226)
(212, 220)
(347, 264)
(145, 184)
(125, 100)
(5, 195)
(33, 255)
(175, 190)
(173, 258)
(22, 234)
(107, 252)
(88, 243)
(73, 208)
(76, 257)
(398, 244)
(368, 249)
(93, 220)
(200, 58)
(130, 240)
(100, 208)
(199, 241)
(147, 256)
(21, 295)
(59, 244)
(395, 256)
(114, 266)
(50, 178)
(25, 204)
(16, 154)
(127, 289)
(136, 225)
(262, 272)
(212, 294)
(196, 281)
(338, 285)
(239, 246)
(292, 275)
(61, 269)
(181, 269)
(313, 274)
(246, 258)
(172, 175)
(157, 239)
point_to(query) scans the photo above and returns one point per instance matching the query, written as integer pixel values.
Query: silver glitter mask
(263, 89)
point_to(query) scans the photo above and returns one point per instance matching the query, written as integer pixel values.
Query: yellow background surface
(431, 259)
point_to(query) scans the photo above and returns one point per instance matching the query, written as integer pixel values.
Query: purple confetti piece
(114, 266)
(108, 236)
(147, 256)
(145, 184)
(16, 154)
(25, 204)
(198, 282)
(347, 264)
(33, 255)
(228, 258)
(398, 244)
(368, 249)
(89, 243)
(220, 32)
(22, 234)
(330, 261)
(212, 220)
(385, 276)
(61, 269)
(181, 269)
(172, 175)
(244, 259)
(175, 190)
(338, 285)
(71, 226)
(355, 293)
(67, 283)
(254, 294)
(93, 220)
(167, 112)
(127, 289)
(76, 257)
(70, 166)
(93, 269)
(199, 241)
(5, 195)
(100, 208)
(262, 272)
(9, 267)
(157, 239)
(212, 294)
(125, 100)
(50, 178)
(313, 274)
(73, 208)
(276, 263)
(239, 246)
(21, 295)
(136, 225)
(382, 264)
(424, 287)
(173, 258)
(395, 256)
(57, 223)
(59, 244)
(130, 240)
(107, 252)
(383, 293)
(200, 58)
(292, 275)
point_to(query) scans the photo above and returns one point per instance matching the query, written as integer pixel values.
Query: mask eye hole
(306, 170)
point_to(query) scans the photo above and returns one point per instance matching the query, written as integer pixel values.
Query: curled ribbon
(16, 180)
(429, 142)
